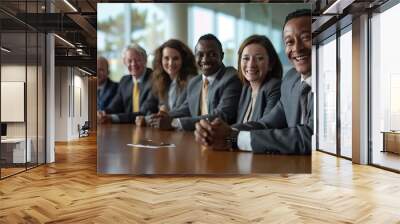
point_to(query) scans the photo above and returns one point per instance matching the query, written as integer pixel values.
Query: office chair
(84, 130)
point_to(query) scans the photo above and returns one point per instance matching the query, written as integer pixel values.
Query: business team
(251, 109)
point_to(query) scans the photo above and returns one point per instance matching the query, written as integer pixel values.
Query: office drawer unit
(391, 141)
(13, 150)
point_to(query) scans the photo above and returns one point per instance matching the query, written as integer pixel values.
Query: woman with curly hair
(173, 66)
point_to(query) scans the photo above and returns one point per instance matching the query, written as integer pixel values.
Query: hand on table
(103, 118)
(140, 121)
(163, 108)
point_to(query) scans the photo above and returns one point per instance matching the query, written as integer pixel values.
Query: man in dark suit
(106, 89)
(288, 128)
(134, 96)
(214, 93)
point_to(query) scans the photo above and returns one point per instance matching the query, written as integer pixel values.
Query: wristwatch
(175, 124)
(232, 139)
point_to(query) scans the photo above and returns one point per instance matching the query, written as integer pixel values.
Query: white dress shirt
(244, 139)
(176, 122)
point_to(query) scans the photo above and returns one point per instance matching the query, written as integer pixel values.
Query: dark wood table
(187, 158)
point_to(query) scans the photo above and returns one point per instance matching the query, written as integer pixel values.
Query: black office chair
(84, 130)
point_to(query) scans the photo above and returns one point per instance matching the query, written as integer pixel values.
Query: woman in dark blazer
(260, 70)
(173, 66)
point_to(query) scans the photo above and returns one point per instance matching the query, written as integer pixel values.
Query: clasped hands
(213, 134)
(160, 120)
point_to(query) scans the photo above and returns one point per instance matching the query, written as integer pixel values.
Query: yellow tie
(135, 96)
(204, 98)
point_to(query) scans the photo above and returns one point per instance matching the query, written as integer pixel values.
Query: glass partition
(22, 89)
(13, 92)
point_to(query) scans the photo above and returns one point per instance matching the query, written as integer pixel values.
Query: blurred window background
(149, 25)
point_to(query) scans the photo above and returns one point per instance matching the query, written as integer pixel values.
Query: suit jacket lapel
(142, 87)
(243, 108)
(296, 93)
(195, 105)
(212, 88)
(130, 91)
(106, 92)
(310, 104)
(257, 114)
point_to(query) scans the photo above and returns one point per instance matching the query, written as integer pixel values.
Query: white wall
(71, 102)
(61, 103)
(14, 73)
(17, 73)
(33, 106)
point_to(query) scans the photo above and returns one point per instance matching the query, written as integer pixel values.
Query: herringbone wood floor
(69, 191)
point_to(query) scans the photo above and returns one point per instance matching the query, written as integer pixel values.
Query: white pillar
(50, 99)
(314, 90)
(360, 90)
(177, 22)
(127, 25)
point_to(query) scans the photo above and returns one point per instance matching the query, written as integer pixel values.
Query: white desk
(17, 147)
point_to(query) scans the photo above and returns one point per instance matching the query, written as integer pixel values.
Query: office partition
(22, 77)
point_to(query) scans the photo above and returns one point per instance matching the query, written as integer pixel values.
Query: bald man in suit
(106, 89)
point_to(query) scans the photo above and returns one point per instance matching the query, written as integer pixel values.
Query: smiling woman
(173, 67)
(260, 70)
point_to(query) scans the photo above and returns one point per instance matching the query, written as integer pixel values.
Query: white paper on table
(152, 146)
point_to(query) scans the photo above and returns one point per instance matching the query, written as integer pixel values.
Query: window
(232, 30)
(346, 93)
(327, 95)
(385, 84)
(203, 25)
(122, 24)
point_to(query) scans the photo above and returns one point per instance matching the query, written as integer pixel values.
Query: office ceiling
(329, 16)
(76, 23)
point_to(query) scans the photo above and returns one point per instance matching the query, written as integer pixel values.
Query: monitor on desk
(3, 130)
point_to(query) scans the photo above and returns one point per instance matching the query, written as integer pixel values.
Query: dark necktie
(305, 89)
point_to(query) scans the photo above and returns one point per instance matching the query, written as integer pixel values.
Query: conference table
(115, 156)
